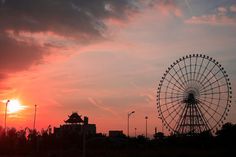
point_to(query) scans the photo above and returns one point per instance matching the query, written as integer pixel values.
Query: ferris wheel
(194, 95)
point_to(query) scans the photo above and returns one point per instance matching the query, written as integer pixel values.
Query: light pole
(5, 128)
(35, 110)
(129, 114)
(146, 117)
(135, 129)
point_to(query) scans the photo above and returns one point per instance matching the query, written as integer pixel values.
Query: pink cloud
(233, 8)
(168, 8)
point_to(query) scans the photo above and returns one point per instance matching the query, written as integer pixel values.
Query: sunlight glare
(14, 106)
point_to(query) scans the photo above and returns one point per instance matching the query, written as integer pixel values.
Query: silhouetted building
(116, 133)
(74, 118)
(75, 125)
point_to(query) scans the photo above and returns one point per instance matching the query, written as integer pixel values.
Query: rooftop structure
(74, 118)
(75, 125)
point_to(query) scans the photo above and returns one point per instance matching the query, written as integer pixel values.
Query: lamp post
(5, 127)
(146, 117)
(129, 114)
(35, 110)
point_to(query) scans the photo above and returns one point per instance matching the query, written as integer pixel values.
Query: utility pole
(135, 129)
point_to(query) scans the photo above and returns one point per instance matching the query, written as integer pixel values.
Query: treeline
(28, 142)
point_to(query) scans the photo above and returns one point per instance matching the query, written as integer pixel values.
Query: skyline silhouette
(104, 59)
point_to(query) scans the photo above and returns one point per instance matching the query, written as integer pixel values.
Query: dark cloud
(77, 18)
(81, 20)
(18, 55)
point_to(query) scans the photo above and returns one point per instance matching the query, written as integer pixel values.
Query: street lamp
(146, 117)
(5, 128)
(129, 114)
(35, 110)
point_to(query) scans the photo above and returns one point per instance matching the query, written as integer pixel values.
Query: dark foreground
(46, 144)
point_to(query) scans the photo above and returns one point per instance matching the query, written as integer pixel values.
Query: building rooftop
(74, 118)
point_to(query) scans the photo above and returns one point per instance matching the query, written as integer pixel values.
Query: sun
(14, 106)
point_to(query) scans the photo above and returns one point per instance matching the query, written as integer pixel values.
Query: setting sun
(14, 106)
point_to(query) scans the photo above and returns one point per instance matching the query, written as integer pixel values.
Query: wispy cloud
(222, 15)
(233, 8)
(99, 105)
(168, 7)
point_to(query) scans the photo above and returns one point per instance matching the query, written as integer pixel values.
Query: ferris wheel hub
(191, 99)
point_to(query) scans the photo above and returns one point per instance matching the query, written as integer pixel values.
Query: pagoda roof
(74, 118)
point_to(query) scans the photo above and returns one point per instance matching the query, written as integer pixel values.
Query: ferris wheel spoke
(185, 67)
(209, 107)
(208, 80)
(168, 88)
(174, 107)
(179, 121)
(202, 74)
(199, 68)
(182, 119)
(219, 99)
(203, 117)
(212, 93)
(195, 67)
(180, 69)
(171, 97)
(217, 105)
(168, 108)
(206, 111)
(164, 104)
(178, 94)
(212, 83)
(179, 87)
(212, 88)
(190, 66)
(210, 71)
(174, 110)
(176, 73)
(177, 113)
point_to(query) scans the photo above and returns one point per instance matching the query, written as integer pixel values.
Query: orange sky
(109, 65)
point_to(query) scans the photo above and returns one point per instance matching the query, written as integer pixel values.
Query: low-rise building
(75, 125)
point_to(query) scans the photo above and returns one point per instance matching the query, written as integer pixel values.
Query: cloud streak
(222, 16)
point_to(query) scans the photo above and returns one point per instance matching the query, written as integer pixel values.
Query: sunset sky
(104, 58)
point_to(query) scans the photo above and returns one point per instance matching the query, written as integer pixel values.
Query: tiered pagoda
(74, 118)
(75, 125)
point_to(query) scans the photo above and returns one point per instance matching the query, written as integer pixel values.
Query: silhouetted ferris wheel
(194, 95)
